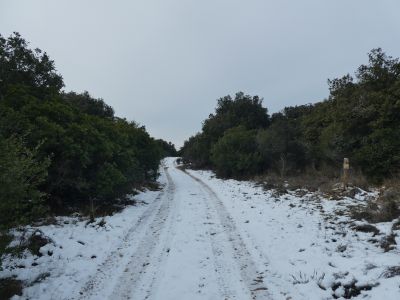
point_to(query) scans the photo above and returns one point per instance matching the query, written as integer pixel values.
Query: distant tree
(86, 104)
(23, 66)
(243, 110)
(360, 120)
(197, 150)
(381, 73)
(365, 114)
(280, 144)
(167, 148)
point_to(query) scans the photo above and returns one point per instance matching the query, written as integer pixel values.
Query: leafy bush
(167, 148)
(243, 110)
(235, 154)
(95, 156)
(21, 174)
(360, 120)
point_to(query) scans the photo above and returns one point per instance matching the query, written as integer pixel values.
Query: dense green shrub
(167, 148)
(235, 153)
(360, 120)
(243, 110)
(280, 144)
(21, 174)
(94, 156)
(197, 150)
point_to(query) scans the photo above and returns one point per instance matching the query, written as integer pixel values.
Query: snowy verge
(313, 248)
(75, 252)
(200, 236)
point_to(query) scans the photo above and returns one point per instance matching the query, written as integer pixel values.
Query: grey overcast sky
(163, 63)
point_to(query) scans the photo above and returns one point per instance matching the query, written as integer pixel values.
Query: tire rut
(104, 271)
(143, 256)
(221, 267)
(252, 278)
(157, 273)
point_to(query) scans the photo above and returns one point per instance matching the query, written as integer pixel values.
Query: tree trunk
(283, 165)
(91, 210)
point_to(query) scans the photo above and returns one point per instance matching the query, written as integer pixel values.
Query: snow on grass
(308, 241)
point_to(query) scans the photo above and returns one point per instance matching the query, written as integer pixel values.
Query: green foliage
(21, 174)
(280, 145)
(84, 148)
(167, 148)
(23, 66)
(360, 120)
(95, 156)
(235, 154)
(243, 110)
(88, 105)
(197, 150)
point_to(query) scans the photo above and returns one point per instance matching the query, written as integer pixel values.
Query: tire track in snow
(221, 267)
(114, 259)
(252, 278)
(140, 260)
(158, 272)
(220, 264)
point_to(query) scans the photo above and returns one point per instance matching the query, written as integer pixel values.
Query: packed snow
(201, 237)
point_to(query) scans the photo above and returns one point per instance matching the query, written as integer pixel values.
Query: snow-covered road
(206, 238)
(185, 246)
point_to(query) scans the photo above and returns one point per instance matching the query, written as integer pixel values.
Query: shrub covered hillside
(62, 150)
(360, 120)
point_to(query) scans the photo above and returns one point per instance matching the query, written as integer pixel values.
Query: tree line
(359, 120)
(62, 151)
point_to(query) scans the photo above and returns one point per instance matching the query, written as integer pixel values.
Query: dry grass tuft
(366, 228)
(385, 208)
(10, 287)
(391, 272)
